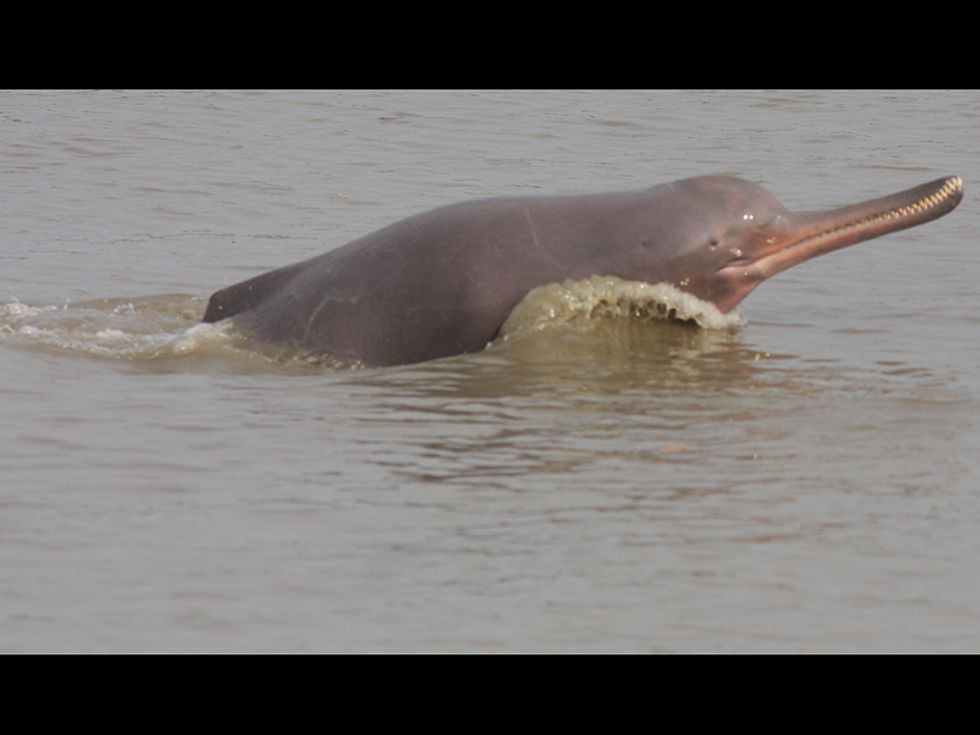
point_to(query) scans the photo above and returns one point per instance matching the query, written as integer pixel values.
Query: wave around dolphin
(164, 331)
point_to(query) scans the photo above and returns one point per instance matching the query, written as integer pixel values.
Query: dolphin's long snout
(814, 233)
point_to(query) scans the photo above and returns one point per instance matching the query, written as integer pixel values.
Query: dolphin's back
(435, 284)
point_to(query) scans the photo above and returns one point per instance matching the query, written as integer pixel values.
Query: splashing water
(166, 329)
(140, 329)
(581, 302)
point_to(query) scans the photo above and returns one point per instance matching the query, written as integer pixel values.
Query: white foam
(200, 336)
(103, 328)
(16, 311)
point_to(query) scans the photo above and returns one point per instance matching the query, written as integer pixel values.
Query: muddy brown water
(807, 481)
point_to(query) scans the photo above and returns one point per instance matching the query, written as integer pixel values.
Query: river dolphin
(442, 282)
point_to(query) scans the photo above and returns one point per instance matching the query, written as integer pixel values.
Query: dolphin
(442, 282)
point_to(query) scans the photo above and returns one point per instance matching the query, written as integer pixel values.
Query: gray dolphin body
(443, 282)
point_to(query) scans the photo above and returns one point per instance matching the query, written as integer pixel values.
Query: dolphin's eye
(713, 243)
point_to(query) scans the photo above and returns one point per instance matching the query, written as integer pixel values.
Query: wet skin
(442, 282)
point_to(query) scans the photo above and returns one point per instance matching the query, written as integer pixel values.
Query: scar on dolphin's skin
(442, 282)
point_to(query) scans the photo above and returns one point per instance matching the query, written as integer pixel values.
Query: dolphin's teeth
(952, 186)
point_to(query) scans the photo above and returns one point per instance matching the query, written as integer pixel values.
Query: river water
(807, 481)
